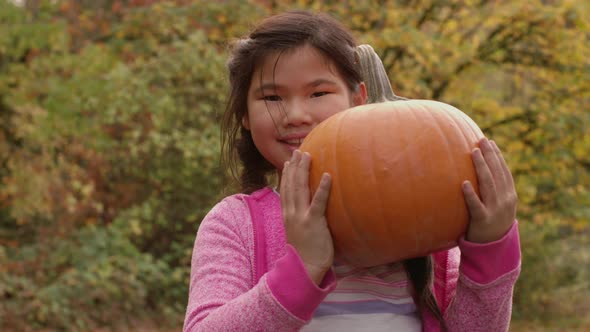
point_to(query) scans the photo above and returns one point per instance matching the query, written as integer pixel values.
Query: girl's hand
(493, 215)
(305, 221)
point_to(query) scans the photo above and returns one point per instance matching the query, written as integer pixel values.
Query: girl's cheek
(333, 101)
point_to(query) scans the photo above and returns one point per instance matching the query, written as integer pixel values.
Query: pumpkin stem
(374, 75)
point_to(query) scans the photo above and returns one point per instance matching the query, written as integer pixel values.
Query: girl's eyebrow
(267, 86)
(274, 86)
(321, 81)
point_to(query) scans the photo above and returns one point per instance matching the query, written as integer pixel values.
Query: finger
(494, 165)
(283, 184)
(320, 198)
(509, 180)
(487, 187)
(293, 171)
(287, 183)
(302, 182)
(474, 205)
(295, 157)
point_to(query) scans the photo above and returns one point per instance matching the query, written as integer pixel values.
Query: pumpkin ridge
(336, 156)
(336, 194)
(445, 112)
(467, 135)
(417, 202)
(380, 188)
(477, 134)
(363, 243)
(469, 123)
(469, 146)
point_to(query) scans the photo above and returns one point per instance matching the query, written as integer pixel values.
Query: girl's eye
(319, 94)
(271, 98)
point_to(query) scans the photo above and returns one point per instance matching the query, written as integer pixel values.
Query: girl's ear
(359, 97)
(246, 121)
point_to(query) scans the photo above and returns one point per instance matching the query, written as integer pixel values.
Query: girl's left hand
(493, 215)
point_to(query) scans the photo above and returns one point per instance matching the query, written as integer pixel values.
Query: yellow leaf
(135, 227)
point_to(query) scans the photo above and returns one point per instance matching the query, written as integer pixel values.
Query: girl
(263, 260)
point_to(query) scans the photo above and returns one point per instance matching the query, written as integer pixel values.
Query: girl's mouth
(295, 141)
(292, 144)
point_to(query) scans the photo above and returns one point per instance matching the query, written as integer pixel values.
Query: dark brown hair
(239, 154)
(420, 271)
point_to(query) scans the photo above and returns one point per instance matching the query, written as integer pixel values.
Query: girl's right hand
(305, 222)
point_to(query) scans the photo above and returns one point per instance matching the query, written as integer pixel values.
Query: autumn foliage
(109, 139)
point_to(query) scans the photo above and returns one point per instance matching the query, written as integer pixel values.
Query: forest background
(109, 141)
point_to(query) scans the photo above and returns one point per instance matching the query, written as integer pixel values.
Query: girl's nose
(296, 114)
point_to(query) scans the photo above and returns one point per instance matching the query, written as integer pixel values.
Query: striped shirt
(368, 299)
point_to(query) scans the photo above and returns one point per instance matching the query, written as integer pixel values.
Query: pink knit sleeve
(293, 288)
(483, 296)
(222, 294)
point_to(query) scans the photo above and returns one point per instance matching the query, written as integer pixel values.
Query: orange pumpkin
(397, 169)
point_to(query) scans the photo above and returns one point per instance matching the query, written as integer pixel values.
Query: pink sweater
(226, 295)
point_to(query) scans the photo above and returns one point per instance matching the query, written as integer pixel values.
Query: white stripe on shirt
(368, 299)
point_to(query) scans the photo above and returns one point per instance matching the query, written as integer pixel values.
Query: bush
(90, 278)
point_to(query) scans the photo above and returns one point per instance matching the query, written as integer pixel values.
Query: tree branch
(505, 121)
(425, 16)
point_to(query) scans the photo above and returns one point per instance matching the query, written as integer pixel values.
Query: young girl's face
(289, 97)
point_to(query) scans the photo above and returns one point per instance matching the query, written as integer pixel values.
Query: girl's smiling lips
(293, 140)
